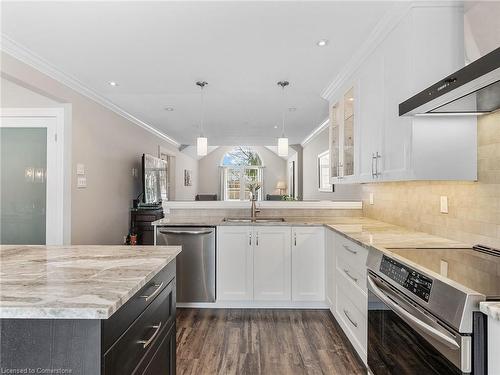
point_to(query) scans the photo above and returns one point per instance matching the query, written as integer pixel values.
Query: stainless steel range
(423, 309)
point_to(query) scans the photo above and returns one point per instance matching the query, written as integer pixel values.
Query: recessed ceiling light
(276, 126)
(292, 109)
(169, 109)
(322, 42)
(113, 83)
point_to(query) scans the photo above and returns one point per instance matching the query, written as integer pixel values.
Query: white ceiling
(157, 50)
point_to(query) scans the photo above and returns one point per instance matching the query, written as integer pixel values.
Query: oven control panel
(412, 280)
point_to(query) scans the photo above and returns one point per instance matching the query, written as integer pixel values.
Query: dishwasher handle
(194, 232)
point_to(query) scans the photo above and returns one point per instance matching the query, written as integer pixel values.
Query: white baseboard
(255, 305)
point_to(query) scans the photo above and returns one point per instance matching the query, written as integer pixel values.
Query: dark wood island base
(139, 338)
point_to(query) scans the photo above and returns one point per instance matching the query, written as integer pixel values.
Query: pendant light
(283, 141)
(201, 141)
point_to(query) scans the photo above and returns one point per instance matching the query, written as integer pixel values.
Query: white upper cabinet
(308, 264)
(272, 263)
(342, 135)
(423, 46)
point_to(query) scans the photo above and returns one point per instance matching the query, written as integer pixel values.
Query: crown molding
(378, 34)
(315, 132)
(23, 54)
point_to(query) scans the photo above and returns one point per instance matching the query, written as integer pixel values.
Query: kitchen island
(87, 309)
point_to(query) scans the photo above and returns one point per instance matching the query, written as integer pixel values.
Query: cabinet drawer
(114, 327)
(143, 335)
(357, 296)
(351, 273)
(163, 359)
(353, 319)
(351, 253)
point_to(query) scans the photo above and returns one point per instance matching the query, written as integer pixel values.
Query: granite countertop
(364, 231)
(75, 282)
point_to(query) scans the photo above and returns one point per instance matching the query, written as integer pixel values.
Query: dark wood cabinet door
(163, 361)
(141, 337)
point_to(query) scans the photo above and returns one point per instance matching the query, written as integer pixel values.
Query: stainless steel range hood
(472, 90)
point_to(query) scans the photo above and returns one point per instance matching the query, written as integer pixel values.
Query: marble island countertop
(491, 308)
(76, 282)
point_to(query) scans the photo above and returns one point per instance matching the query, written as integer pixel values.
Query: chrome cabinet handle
(145, 343)
(257, 239)
(158, 288)
(377, 157)
(250, 239)
(373, 166)
(349, 249)
(350, 276)
(355, 324)
(409, 318)
(295, 239)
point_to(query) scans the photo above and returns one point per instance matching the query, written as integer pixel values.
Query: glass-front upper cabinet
(342, 137)
(335, 141)
(348, 149)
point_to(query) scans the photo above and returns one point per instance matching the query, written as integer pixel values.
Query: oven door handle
(410, 319)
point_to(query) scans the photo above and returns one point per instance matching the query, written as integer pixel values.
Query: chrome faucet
(254, 209)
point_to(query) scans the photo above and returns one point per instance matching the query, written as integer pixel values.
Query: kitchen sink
(255, 220)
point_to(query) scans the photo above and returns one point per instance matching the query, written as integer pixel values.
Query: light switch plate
(371, 198)
(81, 182)
(80, 169)
(444, 204)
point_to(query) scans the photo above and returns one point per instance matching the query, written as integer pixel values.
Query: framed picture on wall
(188, 178)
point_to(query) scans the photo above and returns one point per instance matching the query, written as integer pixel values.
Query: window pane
(253, 175)
(233, 184)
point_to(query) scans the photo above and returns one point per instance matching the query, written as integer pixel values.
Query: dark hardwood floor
(273, 342)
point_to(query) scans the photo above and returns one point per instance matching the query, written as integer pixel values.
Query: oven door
(405, 339)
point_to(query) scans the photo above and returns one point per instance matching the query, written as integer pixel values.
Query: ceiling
(156, 51)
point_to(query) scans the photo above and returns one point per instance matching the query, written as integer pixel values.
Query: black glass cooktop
(475, 269)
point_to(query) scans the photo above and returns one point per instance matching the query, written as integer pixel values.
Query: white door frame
(53, 120)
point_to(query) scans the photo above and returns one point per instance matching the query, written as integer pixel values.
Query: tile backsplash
(473, 207)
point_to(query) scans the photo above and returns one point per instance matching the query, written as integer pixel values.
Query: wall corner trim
(23, 54)
(315, 132)
(378, 34)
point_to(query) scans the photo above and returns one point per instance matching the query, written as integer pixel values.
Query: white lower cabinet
(308, 264)
(330, 268)
(272, 263)
(234, 263)
(346, 288)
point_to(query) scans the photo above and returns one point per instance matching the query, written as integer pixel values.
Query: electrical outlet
(371, 198)
(135, 172)
(443, 271)
(81, 182)
(444, 204)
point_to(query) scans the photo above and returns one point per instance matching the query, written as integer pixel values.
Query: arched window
(241, 168)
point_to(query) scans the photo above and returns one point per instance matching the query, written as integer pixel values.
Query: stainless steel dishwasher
(195, 264)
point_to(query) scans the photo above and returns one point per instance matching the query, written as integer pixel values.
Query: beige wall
(208, 183)
(109, 146)
(474, 207)
(312, 149)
